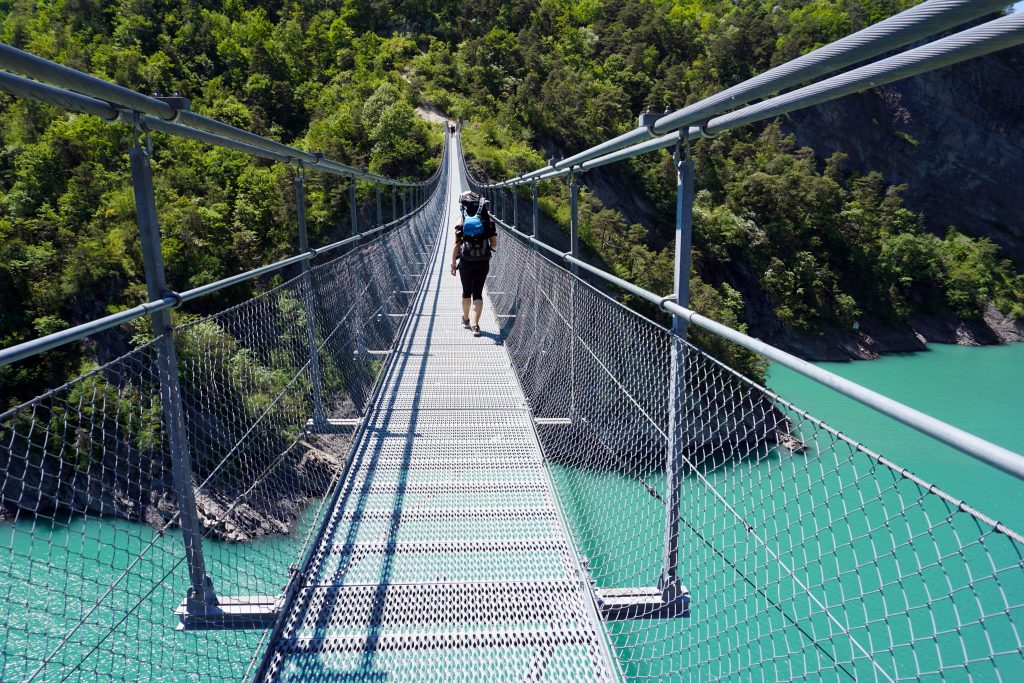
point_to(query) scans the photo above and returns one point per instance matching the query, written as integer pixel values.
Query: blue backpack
(472, 226)
(474, 246)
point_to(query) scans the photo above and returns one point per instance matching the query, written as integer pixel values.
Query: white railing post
(380, 212)
(352, 208)
(536, 259)
(319, 415)
(574, 248)
(515, 208)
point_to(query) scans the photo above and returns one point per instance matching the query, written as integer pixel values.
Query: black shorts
(473, 274)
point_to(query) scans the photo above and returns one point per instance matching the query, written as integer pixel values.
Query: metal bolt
(648, 118)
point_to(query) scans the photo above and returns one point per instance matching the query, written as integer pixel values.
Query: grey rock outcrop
(955, 136)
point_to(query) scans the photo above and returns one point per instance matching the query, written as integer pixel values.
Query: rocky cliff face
(954, 136)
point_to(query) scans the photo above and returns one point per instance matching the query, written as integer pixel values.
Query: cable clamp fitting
(704, 132)
(647, 119)
(171, 294)
(139, 126)
(665, 299)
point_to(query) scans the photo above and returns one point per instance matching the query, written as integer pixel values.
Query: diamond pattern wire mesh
(807, 556)
(92, 558)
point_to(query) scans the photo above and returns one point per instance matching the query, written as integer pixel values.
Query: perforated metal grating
(445, 557)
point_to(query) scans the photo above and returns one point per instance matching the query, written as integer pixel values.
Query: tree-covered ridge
(68, 240)
(777, 231)
(775, 228)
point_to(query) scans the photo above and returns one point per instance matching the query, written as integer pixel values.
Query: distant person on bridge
(475, 240)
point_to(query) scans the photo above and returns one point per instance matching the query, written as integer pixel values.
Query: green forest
(821, 245)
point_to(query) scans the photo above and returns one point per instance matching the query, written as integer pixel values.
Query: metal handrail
(72, 89)
(990, 37)
(13, 354)
(916, 23)
(983, 39)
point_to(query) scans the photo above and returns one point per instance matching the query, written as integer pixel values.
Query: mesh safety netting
(807, 555)
(93, 564)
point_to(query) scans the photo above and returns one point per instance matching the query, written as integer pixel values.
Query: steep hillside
(867, 231)
(796, 242)
(69, 251)
(955, 137)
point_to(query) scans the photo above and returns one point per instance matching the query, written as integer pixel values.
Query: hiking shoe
(476, 330)
(465, 323)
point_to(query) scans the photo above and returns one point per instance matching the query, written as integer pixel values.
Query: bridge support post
(201, 596)
(352, 208)
(574, 219)
(669, 582)
(354, 217)
(535, 213)
(319, 415)
(405, 203)
(380, 213)
(536, 258)
(394, 203)
(515, 208)
(574, 248)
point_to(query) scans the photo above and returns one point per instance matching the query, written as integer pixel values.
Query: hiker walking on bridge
(475, 240)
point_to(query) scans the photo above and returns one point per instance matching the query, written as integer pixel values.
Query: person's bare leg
(465, 308)
(478, 308)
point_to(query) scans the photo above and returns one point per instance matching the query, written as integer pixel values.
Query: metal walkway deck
(446, 557)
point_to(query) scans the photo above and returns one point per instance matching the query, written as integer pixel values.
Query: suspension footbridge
(446, 543)
(581, 493)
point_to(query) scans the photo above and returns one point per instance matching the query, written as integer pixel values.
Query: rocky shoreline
(50, 486)
(875, 338)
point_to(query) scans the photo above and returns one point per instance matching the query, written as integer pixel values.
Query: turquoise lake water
(978, 389)
(58, 569)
